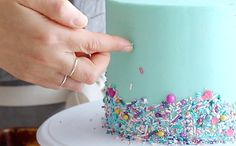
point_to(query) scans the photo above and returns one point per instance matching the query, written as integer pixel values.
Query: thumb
(61, 11)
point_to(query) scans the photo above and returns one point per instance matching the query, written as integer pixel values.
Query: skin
(39, 39)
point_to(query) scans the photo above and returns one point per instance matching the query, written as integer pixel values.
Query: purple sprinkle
(183, 102)
(158, 115)
(170, 98)
(182, 134)
(180, 119)
(141, 70)
(176, 119)
(111, 92)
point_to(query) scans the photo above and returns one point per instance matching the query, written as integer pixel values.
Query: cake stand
(81, 126)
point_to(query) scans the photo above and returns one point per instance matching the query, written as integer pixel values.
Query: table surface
(81, 125)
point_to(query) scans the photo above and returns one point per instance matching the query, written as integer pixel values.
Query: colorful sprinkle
(130, 87)
(170, 98)
(204, 119)
(117, 111)
(111, 92)
(230, 133)
(223, 118)
(126, 117)
(141, 70)
(118, 101)
(214, 121)
(160, 133)
(207, 95)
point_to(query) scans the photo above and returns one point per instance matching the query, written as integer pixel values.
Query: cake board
(82, 126)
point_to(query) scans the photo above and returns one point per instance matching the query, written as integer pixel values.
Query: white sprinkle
(131, 87)
(146, 130)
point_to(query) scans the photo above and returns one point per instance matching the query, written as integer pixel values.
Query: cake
(177, 86)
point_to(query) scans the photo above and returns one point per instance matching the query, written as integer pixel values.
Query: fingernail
(81, 22)
(129, 47)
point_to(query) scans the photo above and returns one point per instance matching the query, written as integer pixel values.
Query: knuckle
(46, 38)
(27, 77)
(91, 77)
(58, 8)
(54, 87)
(76, 88)
(94, 46)
(22, 76)
(42, 57)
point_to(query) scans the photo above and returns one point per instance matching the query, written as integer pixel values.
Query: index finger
(61, 11)
(91, 42)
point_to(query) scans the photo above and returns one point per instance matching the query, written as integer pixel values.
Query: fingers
(46, 76)
(61, 11)
(88, 70)
(72, 85)
(55, 81)
(89, 42)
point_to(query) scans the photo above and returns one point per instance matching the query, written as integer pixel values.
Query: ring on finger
(74, 67)
(63, 81)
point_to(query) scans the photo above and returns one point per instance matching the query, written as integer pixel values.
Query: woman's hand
(38, 40)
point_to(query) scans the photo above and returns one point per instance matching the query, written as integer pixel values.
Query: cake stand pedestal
(81, 126)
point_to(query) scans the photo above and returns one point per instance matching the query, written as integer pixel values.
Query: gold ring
(74, 67)
(63, 81)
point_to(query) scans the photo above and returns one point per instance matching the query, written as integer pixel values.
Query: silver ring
(63, 81)
(74, 67)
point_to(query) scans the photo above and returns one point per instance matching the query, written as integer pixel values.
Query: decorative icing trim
(205, 119)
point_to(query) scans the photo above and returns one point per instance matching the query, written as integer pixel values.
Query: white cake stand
(81, 126)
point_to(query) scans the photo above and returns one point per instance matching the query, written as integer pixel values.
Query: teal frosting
(176, 2)
(182, 48)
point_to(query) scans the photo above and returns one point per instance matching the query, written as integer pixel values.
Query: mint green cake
(182, 69)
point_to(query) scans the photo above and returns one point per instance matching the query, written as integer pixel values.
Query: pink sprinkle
(198, 132)
(141, 70)
(170, 98)
(214, 120)
(230, 133)
(111, 92)
(207, 95)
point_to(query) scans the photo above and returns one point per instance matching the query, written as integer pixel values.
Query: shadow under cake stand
(82, 126)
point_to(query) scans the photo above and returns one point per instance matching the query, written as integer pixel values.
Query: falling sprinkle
(130, 87)
(141, 70)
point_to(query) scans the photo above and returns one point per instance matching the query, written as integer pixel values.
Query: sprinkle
(183, 135)
(126, 117)
(223, 118)
(130, 87)
(117, 111)
(214, 121)
(230, 133)
(118, 100)
(170, 98)
(203, 119)
(160, 133)
(111, 92)
(141, 70)
(183, 102)
(207, 95)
